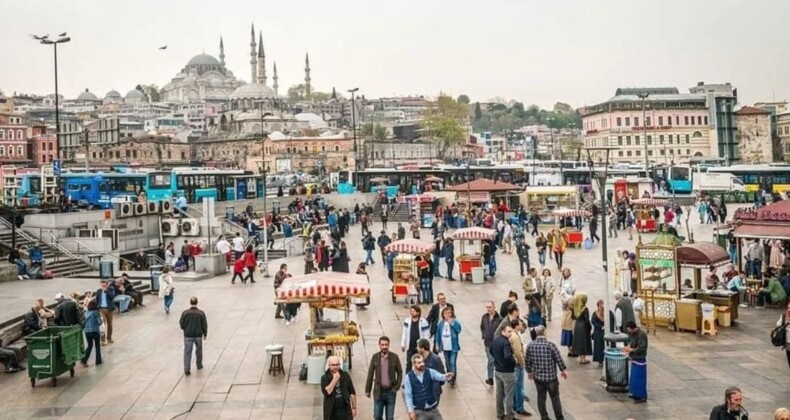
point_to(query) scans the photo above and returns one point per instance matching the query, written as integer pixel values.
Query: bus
(102, 191)
(771, 178)
(197, 184)
(402, 179)
(513, 174)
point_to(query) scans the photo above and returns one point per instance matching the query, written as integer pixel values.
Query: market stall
(327, 291)
(573, 237)
(629, 188)
(421, 206)
(769, 222)
(643, 213)
(471, 236)
(405, 275)
(486, 191)
(701, 256)
(543, 200)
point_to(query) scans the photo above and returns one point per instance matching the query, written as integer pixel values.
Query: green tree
(563, 108)
(463, 99)
(478, 112)
(379, 133)
(298, 93)
(445, 123)
(151, 92)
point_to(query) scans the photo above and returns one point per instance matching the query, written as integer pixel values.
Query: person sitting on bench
(15, 257)
(137, 297)
(9, 359)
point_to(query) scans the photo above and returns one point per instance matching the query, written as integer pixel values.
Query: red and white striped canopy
(422, 198)
(474, 233)
(655, 202)
(410, 246)
(572, 213)
(325, 284)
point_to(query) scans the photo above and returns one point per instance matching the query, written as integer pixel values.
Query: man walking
(488, 325)
(732, 408)
(419, 391)
(104, 299)
(522, 249)
(279, 278)
(435, 314)
(517, 345)
(385, 375)
(368, 244)
(448, 252)
(637, 352)
(623, 312)
(504, 373)
(382, 242)
(543, 359)
(340, 398)
(414, 328)
(432, 361)
(195, 326)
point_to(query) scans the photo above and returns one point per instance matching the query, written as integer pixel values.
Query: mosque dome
(87, 96)
(252, 91)
(113, 94)
(203, 60)
(135, 94)
(312, 119)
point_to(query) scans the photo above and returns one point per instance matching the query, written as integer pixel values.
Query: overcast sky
(532, 51)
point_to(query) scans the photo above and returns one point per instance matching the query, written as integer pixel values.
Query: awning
(655, 202)
(410, 246)
(474, 233)
(763, 231)
(702, 254)
(325, 284)
(477, 197)
(572, 213)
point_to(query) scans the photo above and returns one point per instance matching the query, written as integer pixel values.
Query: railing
(154, 259)
(58, 249)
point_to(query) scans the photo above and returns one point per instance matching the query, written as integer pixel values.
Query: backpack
(778, 334)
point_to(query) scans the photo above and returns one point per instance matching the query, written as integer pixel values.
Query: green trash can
(53, 351)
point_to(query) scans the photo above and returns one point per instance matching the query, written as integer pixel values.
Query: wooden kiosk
(644, 213)
(473, 236)
(327, 290)
(405, 275)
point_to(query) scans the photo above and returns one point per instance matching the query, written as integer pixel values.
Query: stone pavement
(142, 377)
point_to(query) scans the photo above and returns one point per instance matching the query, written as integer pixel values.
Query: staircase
(61, 262)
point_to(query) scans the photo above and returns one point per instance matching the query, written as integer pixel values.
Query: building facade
(13, 139)
(754, 135)
(672, 128)
(151, 151)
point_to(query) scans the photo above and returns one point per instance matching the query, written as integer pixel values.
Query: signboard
(282, 165)
(56, 167)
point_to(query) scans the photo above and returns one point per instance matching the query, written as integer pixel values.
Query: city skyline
(410, 48)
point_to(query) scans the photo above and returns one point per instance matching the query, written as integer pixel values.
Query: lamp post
(354, 128)
(62, 39)
(263, 175)
(604, 211)
(643, 96)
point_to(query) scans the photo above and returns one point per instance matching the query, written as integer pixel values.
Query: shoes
(524, 413)
(167, 311)
(13, 370)
(639, 401)
(186, 372)
(490, 381)
(20, 277)
(233, 282)
(200, 367)
(25, 277)
(743, 305)
(279, 317)
(287, 323)
(252, 281)
(84, 364)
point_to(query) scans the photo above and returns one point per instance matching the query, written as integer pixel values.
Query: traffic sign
(56, 167)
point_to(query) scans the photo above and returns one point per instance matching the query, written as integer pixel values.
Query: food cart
(543, 200)
(471, 236)
(405, 276)
(573, 237)
(321, 291)
(421, 207)
(644, 213)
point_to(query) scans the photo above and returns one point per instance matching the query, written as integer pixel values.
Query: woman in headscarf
(625, 273)
(597, 321)
(632, 272)
(566, 337)
(582, 329)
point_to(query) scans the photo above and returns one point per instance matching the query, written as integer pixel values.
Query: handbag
(778, 334)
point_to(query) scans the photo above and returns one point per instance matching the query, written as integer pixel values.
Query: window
(686, 119)
(619, 140)
(620, 153)
(323, 148)
(305, 148)
(627, 121)
(337, 148)
(699, 120)
(20, 151)
(677, 120)
(628, 141)
(647, 121)
(10, 134)
(660, 121)
(19, 135)
(50, 146)
(619, 122)
(628, 153)
(669, 139)
(650, 153)
(649, 140)
(2, 134)
(661, 139)
(706, 122)
(688, 140)
(671, 151)
(2, 149)
(638, 153)
(93, 155)
(688, 151)
(636, 140)
(669, 120)
(636, 121)
(10, 150)
(134, 154)
(663, 152)
(128, 153)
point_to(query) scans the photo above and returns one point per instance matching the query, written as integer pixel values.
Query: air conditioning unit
(140, 209)
(167, 207)
(109, 233)
(123, 210)
(153, 207)
(170, 227)
(86, 233)
(190, 227)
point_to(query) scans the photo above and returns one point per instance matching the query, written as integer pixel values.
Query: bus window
(680, 174)
(35, 185)
(159, 181)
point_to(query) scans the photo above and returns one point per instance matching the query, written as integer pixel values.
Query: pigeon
(40, 38)
(63, 34)
(163, 47)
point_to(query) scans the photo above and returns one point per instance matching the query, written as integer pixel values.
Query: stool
(709, 326)
(276, 363)
(273, 347)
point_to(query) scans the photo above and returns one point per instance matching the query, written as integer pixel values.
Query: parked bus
(199, 183)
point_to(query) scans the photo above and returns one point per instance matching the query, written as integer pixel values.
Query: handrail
(58, 248)
(155, 258)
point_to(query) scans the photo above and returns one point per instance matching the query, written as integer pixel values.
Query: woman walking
(558, 247)
(362, 270)
(598, 331)
(507, 238)
(534, 318)
(566, 337)
(540, 245)
(166, 288)
(624, 270)
(92, 333)
(547, 294)
(582, 329)
(447, 341)
(340, 261)
(250, 262)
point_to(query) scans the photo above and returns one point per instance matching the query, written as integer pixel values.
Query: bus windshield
(679, 174)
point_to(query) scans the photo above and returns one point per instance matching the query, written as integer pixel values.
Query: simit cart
(404, 270)
(574, 236)
(473, 236)
(644, 213)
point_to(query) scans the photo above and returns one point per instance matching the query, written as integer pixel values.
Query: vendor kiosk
(421, 207)
(573, 237)
(326, 291)
(473, 236)
(405, 275)
(543, 200)
(645, 222)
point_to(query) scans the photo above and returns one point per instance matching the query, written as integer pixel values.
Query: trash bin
(230, 212)
(156, 273)
(316, 366)
(616, 370)
(53, 351)
(478, 275)
(106, 270)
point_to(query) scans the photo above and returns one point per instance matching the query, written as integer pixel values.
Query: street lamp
(604, 212)
(354, 128)
(62, 39)
(643, 96)
(263, 175)
(553, 147)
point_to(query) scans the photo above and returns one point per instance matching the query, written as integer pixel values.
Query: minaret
(307, 76)
(221, 52)
(261, 60)
(253, 61)
(275, 85)
(334, 93)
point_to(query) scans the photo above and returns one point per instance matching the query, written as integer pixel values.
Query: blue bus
(100, 190)
(199, 183)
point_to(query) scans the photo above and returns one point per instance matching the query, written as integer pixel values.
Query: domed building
(203, 79)
(87, 96)
(112, 97)
(134, 96)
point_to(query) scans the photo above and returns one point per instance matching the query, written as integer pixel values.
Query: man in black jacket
(195, 326)
(522, 249)
(505, 377)
(732, 408)
(340, 398)
(128, 289)
(382, 242)
(66, 313)
(435, 314)
(488, 325)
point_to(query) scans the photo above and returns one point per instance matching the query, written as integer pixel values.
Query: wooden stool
(709, 326)
(276, 363)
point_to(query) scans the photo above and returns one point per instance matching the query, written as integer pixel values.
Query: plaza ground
(143, 378)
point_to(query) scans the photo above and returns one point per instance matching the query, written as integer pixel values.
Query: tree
(151, 92)
(298, 93)
(445, 122)
(563, 108)
(379, 133)
(463, 99)
(478, 112)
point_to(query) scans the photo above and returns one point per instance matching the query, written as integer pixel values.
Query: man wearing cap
(66, 313)
(382, 242)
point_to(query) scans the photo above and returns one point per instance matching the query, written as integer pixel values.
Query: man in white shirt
(223, 247)
(238, 245)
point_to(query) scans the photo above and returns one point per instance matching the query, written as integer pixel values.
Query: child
(238, 270)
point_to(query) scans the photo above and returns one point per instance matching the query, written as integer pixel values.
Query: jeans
(505, 384)
(732, 250)
(436, 260)
(542, 258)
(94, 339)
(106, 316)
(754, 268)
(612, 230)
(168, 301)
(428, 415)
(490, 363)
(426, 287)
(369, 256)
(553, 388)
(518, 392)
(558, 258)
(450, 362)
(188, 343)
(521, 263)
(384, 404)
(450, 265)
(21, 267)
(123, 302)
